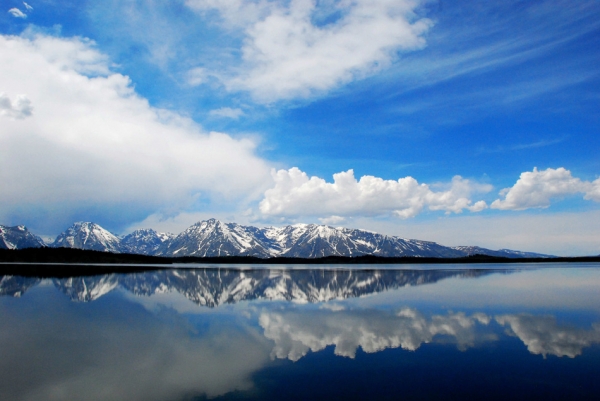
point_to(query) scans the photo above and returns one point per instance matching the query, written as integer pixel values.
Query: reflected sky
(230, 334)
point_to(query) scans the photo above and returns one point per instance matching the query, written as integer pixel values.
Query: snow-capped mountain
(18, 237)
(85, 235)
(214, 287)
(213, 238)
(311, 241)
(145, 241)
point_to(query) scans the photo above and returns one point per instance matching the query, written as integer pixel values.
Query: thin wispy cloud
(287, 55)
(227, 112)
(522, 146)
(15, 12)
(468, 43)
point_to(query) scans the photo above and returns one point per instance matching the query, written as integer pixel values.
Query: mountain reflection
(214, 287)
(296, 331)
(166, 348)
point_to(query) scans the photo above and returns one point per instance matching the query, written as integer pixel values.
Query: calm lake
(330, 332)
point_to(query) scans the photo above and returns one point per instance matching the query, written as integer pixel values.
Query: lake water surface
(330, 332)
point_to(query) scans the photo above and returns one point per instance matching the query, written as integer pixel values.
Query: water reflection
(214, 287)
(295, 333)
(291, 323)
(16, 286)
(120, 351)
(542, 335)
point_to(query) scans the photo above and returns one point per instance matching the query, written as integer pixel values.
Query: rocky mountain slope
(18, 237)
(145, 241)
(85, 235)
(213, 238)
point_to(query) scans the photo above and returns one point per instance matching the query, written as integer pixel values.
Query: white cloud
(235, 13)
(296, 333)
(295, 194)
(535, 189)
(478, 206)
(93, 143)
(227, 112)
(18, 109)
(196, 76)
(28, 7)
(592, 191)
(299, 48)
(542, 335)
(15, 12)
(332, 220)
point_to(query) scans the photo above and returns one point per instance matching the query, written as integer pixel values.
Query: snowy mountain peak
(215, 238)
(87, 235)
(18, 237)
(212, 237)
(144, 241)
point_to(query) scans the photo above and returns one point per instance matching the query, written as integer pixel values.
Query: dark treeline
(44, 260)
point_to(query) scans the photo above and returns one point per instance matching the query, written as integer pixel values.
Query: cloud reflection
(542, 335)
(295, 333)
(117, 350)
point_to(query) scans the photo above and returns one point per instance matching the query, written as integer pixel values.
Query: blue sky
(469, 122)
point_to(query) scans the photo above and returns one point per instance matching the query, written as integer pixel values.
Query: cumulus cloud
(542, 335)
(592, 190)
(94, 143)
(227, 112)
(15, 12)
(296, 333)
(17, 109)
(299, 48)
(535, 189)
(295, 194)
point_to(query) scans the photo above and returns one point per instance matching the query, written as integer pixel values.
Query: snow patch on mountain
(18, 237)
(86, 235)
(144, 241)
(213, 238)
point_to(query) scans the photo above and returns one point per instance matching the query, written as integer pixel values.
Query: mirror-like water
(226, 333)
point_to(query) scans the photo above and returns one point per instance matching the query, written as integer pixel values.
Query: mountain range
(211, 238)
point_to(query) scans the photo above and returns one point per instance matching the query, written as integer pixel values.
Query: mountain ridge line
(213, 238)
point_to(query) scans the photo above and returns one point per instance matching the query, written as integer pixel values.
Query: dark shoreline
(68, 262)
